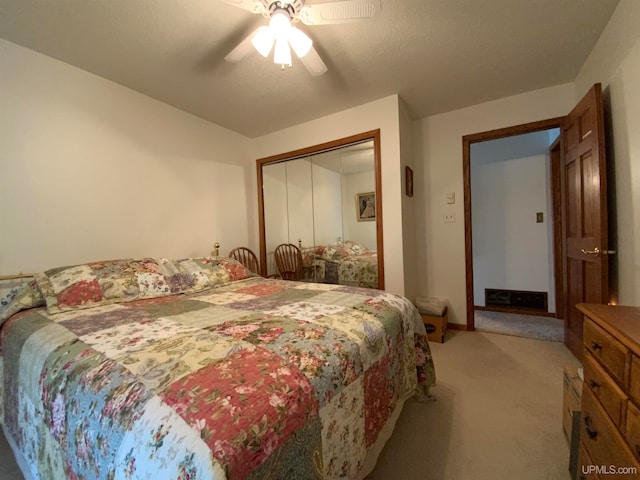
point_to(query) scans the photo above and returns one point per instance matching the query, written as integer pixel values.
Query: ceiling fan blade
(244, 48)
(339, 12)
(250, 5)
(314, 63)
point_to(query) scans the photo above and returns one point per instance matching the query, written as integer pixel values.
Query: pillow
(355, 248)
(208, 272)
(102, 283)
(334, 253)
(177, 278)
(20, 298)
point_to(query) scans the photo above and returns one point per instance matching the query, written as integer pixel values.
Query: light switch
(451, 197)
(539, 217)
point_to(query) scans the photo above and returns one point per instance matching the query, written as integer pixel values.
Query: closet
(326, 200)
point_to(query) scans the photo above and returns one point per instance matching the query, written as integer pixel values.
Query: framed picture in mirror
(366, 206)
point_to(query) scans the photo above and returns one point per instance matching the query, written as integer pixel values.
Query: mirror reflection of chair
(289, 261)
(246, 257)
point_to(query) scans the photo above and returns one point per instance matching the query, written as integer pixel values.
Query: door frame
(467, 141)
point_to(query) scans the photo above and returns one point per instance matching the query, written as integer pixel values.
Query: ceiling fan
(281, 32)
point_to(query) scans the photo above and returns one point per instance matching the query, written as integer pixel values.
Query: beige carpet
(498, 415)
(530, 326)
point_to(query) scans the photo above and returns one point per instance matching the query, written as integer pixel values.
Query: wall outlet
(449, 217)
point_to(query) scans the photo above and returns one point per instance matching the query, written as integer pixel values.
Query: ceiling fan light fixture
(281, 33)
(263, 40)
(300, 42)
(282, 52)
(280, 24)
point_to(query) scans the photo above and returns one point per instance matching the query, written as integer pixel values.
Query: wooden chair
(246, 257)
(289, 261)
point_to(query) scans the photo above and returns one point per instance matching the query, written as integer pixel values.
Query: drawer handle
(594, 384)
(596, 346)
(589, 428)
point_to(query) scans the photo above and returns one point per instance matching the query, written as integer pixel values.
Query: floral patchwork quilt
(197, 369)
(349, 264)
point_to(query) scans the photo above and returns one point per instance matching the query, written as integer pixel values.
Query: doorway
(513, 236)
(468, 141)
(580, 183)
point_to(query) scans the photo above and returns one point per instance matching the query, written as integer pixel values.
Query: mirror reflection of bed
(326, 201)
(344, 263)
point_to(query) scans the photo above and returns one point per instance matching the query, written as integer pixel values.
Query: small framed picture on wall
(366, 206)
(408, 174)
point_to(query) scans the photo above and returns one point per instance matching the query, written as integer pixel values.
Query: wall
(92, 170)
(437, 144)
(408, 205)
(381, 114)
(615, 62)
(510, 183)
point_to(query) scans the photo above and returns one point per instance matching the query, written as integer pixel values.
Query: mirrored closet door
(326, 201)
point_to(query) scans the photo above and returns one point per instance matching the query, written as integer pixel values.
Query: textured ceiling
(438, 55)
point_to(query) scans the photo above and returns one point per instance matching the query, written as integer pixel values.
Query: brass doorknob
(597, 251)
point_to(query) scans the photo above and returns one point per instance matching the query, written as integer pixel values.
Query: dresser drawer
(610, 395)
(632, 432)
(634, 379)
(586, 470)
(604, 443)
(609, 352)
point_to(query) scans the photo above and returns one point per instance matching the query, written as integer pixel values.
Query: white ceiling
(438, 55)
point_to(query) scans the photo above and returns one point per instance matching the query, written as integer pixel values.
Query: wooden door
(585, 213)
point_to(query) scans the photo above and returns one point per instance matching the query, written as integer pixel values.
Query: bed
(199, 369)
(349, 263)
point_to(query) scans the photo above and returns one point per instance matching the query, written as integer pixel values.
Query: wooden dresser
(610, 429)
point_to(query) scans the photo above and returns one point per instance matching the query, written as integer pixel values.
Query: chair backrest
(246, 257)
(289, 261)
